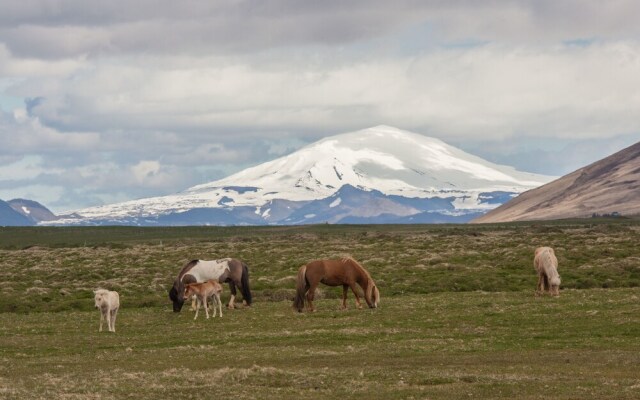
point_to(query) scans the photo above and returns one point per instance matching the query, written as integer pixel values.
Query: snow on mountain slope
(392, 161)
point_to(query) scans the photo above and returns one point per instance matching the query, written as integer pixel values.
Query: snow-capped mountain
(380, 174)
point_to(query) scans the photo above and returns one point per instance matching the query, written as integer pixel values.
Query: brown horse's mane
(360, 267)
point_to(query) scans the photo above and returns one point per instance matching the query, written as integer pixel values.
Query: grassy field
(458, 317)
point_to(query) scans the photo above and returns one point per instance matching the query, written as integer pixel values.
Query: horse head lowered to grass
(230, 270)
(546, 265)
(345, 272)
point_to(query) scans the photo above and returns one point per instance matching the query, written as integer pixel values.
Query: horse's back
(208, 285)
(108, 298)
(544, 258)
(323, 267)
(204, 270)
(331, 272)
(543, 249)
(114, 299)
(213, 285)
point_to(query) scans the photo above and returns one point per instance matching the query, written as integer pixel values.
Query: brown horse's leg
(305, 296)
(355, 293)
(310, 294)
(197, 308)
(206, 305)
(345, 289)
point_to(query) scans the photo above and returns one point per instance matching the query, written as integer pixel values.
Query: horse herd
(201, 280)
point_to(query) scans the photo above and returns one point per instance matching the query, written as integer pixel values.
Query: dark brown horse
(346, 272)
(230, 270)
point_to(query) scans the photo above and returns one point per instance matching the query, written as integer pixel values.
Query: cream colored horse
(108, 302)
(546, 265)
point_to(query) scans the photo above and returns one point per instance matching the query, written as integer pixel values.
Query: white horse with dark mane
(230, 270)
(546, 265)
(108, 302)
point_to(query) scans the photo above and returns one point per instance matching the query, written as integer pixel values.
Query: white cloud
(492, 91)
(23, 134)
(145, 170)
(24, 67)
(27, 167)
(117, 108)
(71, 28)
(537, 21)
(45, 194)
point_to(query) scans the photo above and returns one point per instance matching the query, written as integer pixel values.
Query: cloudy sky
(116, 100)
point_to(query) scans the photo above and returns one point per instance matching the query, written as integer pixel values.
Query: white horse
(546, 265)
(230, 270)
(108, 302)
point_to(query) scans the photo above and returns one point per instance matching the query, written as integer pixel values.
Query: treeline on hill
(54, 269)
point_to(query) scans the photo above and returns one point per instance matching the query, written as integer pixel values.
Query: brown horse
(346, 272)
(203, 292)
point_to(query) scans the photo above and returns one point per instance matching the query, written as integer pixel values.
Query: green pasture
(458, 317)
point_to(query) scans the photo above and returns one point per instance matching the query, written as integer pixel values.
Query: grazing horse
(230, 270)
(108, 302)
(546, 265)
(203, 292)
(346, 272)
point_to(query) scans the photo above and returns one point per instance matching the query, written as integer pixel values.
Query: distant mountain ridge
(376, 175)
(10, 217)
(22, 212)
(608, 186)
(33, 210)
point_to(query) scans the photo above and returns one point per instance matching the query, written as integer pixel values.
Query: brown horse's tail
(301, 284)
(244, 282)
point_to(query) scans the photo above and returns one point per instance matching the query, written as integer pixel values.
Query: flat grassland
(458, 317)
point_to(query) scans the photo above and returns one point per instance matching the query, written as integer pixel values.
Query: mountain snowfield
(387, 163)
